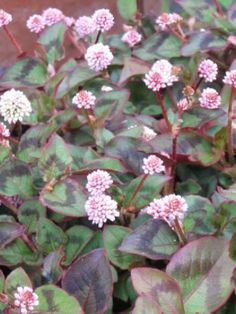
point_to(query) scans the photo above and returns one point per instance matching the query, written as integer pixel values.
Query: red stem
(163, 109)
(13, 40)
(219, 8)
(179, 230)
(230, 148)
(138, 187)
(97, 38)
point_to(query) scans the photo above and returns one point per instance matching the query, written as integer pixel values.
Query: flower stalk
(13, 41)
(230, 148)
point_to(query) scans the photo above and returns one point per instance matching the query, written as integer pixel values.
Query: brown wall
(22, 9)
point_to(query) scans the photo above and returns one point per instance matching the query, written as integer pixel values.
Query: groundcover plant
(117, 166)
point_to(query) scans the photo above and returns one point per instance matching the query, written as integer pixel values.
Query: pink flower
(210, 99)
(152, 165)
(148, 134)
(4, 134)
(167, 19)
(25, 299)
(161, 75)
(52, 16)
(101, 208)
(183, 104)
(230, 78)
(5, 18)
(132, 37)
(99, 57)
(168, 208)
(69, 21)
(208, 70)
(98, 182)
(36, 23)
(103, 20)
(85, 26)
(84, 99)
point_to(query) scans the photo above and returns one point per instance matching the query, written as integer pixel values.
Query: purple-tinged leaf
(160, 287)
(203, 270)
(146, 304)
(154, 239)
(89, 279)
(16, 278)
(9, 231)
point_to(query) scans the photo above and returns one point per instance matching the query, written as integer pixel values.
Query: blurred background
(22, 9)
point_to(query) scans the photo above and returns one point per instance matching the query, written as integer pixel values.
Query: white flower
(99, 57)
(84, 99)
(103, 20)
(14, 106)
(131, 37)
(85, 26)
(25, 299)
(148, 134)
(52, 16)
(36, 23)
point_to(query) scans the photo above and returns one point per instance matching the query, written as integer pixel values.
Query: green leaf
(203, 10)
(66, 198)
(52, 270)
(29, 213)
(89, 279)
(16, 179)
(127, 9)
(232, 247)
(199, 265)
(154, 239)
(53, 300)
(150, 189)
(105, 163)
(230, 193)
(17, 278)
(52, 39)
(146, 305)
(49, 236)
(112, 237)
(160, 287)
(55, 158)
(26, 72)
(9, 231)
(17, 252)
(78, 76)
(78, 237)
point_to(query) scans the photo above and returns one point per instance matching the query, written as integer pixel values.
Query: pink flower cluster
(208, 70)
(152, 164)
(99, 206)
(168, 208)
(210, 99)
(102, 20)
(4, 134)
(84, 100)
(36, 23)
(131, 37)
(168, 19)
(148, 134)
(183, 105)
(25, 299)
(5, 18)
(161, 75)
(99, 57)
(230, 78)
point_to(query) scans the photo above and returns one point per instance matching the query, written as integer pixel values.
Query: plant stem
(25, 238)
(80, 47)
(138, 187)
(195, 86)
(140, 6)
(179, 230)
(171, 185)
(219, 8)
(90, 123)
(8, 205)
(13, 40)
(98, 36)
(230, 148)
(163, 109)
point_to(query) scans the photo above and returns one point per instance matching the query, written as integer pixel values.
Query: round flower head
(69, 21)
(152, 165)
(230, 78)
(84, 99)
(4, 134)
(167, 19)
(210, 99)
(103, 20)
(5, 18)
(101, 208)
(155, 209)
(99, 57)
(183, 104)
(208, 70)
(52, 16)
(85, 26)
(148, 134)
(131, 37)
(36, 23)
(14, 105)
(174, 207)
(98, 182)
(25, 299)
(161, 75)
